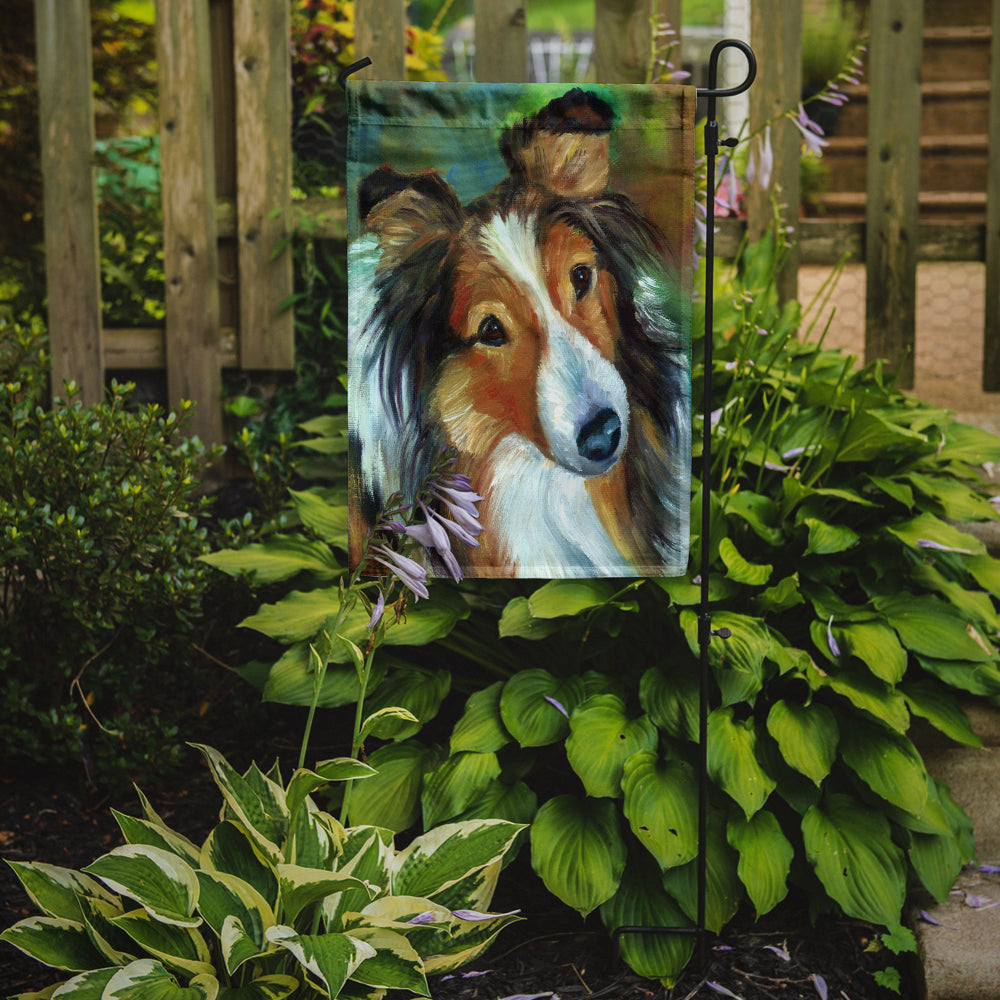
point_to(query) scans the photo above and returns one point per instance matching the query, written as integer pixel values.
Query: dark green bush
(100, 587)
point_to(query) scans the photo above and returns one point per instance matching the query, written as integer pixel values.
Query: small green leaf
(578, 851)
(384, 723)
(671, 700)
(732, 760)
(481, 727)
(765, 858)
(279, 558)
(827, 539)
(517, 620)
(739, 569)
(559, 598)
(807, 736)
(327, 520)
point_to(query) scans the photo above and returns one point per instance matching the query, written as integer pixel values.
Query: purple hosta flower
(377, 611)
(928, 543)
(465, 975)
(475, 915)
(831, 642)
(989, 869)
(812, 134)
(558, 705)
(780, 952)
(820, 983)
(461, 504)
(719, 988)
(727, 197)
(427, 917)
(760, 165)
(435, 542)
(410, 573)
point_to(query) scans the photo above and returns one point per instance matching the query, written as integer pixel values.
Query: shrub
(280, 899)
(99, 539)
(854, 603)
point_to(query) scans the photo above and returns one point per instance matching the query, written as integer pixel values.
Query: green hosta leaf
(683, 591)
(578, 851)
(301, 887)
(163, 884)
(893, 488)
(558, 598)
(292, 680)
(888, 763)
(931, 628)
(758, 511)
(147, 979)
(395, 964)
(850, 847)
(279, 558)
(976, 605)
(261, 809)
(641, 901)
(517, 620)
(783, 595)
(865, 692)
(957, 501)
(327, 520)
(876, 646)
(941, 709)
(386, 723)
(661, 799)
(56, 891)
(481, 728)
(870, 435)
(986, 571)
(976, 678)
(965, 443)
(54, 941)
(602, 738)
(738, 661)
(330, 959)
(456, 784)
(441, 857)
(515, 803)
(230, 849)
(765, 858)
(415, 689)
(827, 539)
(723, 889)
(141, 831)
(527, 711)
(671, 700)
(391, 798)
(274, 987)
(739, 569)
(928, 528)
(180, 948)
(732, 760)
(937, 859)
(807, 736)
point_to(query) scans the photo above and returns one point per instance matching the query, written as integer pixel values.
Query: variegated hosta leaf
(315, 839)
(732, 760)
(468, 939)
(642, 902)
(116, 946)
(395, 964)
(476, 890)
(765, 858)
(87, 986)
(481, 727)
(367, 854)
(56, 891)
(225, 897)
(54, 941)
(457, 784)
(230, 849)
(578, 851)
(160, 882)
(275, 987)
(602, 737)
(304, 782)
(147, 979)
(850, 847)
(807, 736)
(177, 947)
(661, 799)
(329, 959)
(141, 831)
(300, 887)
(441, 857)
(256, 801)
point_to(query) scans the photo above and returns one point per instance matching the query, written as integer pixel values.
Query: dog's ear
(564, 147)
(404, 210)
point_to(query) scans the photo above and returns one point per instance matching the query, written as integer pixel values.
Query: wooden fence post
(501, 41)
(262, 61)
(893, 183)
(72, 255)
(623, 37)
(380, 34)
(991, 333)
(776, 35)
(190, 251)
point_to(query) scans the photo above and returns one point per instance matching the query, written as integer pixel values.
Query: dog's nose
(599, 438)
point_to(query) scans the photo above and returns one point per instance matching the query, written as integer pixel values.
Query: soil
(551, 952)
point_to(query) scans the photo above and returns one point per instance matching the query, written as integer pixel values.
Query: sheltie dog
(538, 331)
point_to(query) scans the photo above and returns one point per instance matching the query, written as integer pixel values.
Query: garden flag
(520, 298)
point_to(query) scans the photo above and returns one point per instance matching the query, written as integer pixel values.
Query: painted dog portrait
(522, 296)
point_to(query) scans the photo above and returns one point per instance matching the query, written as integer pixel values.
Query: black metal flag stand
(705, 631)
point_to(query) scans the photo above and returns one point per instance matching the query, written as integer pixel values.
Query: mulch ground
(550, 953)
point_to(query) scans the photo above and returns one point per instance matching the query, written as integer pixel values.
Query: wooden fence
(226, 161)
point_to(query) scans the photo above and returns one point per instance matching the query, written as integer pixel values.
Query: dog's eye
(491, 332)
(580, 278)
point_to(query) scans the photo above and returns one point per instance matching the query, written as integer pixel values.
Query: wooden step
(958, 206)
(947, 162)
(956, 53)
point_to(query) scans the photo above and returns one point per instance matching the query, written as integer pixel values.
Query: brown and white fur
(538, 331)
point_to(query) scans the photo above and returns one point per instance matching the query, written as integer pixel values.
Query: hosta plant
(279, 900)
